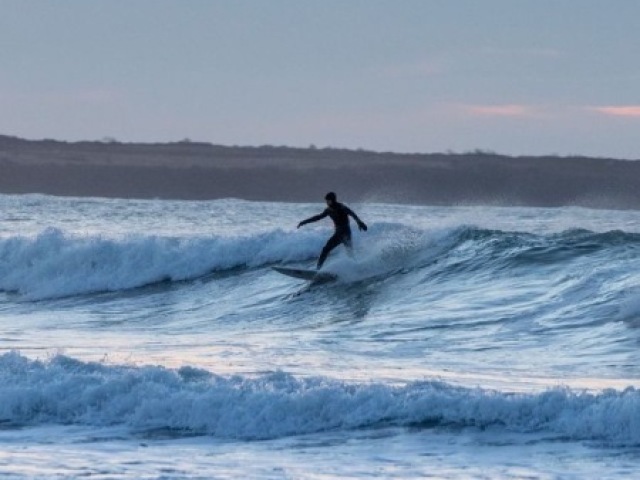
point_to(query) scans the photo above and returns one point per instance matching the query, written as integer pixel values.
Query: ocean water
(152, 339)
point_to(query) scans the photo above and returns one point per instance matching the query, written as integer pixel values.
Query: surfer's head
(330, 198)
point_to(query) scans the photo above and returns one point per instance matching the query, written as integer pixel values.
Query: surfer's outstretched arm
(315, 218)
(361, 224)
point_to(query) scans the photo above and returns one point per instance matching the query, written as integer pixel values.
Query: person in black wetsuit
(339, 213)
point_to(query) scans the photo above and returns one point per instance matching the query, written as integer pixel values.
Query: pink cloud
(619, 111)
(509, 110)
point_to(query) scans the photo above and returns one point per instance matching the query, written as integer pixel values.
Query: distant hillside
(188, 170)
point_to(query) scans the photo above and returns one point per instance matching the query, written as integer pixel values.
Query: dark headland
(194, 171)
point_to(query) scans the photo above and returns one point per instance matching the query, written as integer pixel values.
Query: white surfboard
(311, 275)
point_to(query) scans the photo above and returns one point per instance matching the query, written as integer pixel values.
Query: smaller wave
(486, 250)
(64, 390)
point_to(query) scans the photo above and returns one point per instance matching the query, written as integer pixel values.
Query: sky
(519, 77)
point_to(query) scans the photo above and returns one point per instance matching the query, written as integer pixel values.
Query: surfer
(339, 213)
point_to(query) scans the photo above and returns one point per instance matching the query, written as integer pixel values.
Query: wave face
(192, 401)
(55, 264)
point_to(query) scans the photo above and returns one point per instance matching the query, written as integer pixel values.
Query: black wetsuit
(339, 213)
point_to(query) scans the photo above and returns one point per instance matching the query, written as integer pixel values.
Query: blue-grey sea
(152, 339)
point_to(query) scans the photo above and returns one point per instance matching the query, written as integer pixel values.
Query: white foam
(56, 264)
(67, 391)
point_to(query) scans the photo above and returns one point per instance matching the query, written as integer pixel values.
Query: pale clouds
(505, 110)
(618, 111)
(515, 110)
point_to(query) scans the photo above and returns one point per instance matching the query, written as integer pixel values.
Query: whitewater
(152, 339)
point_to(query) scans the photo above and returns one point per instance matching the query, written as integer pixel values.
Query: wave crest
(56, 264)
(193, 401)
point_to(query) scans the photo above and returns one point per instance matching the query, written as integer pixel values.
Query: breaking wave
(191, 401)
(56, 264)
